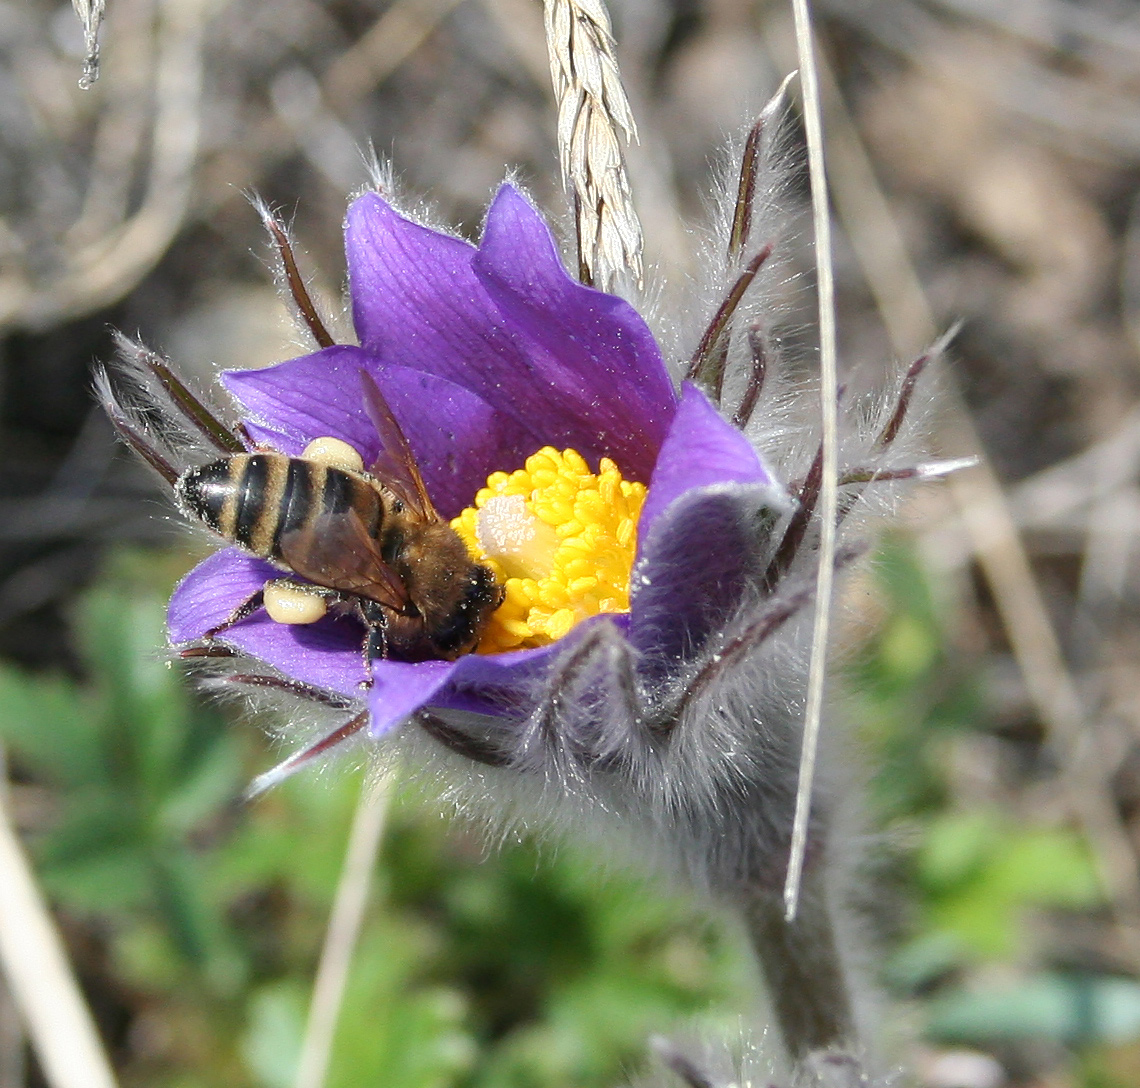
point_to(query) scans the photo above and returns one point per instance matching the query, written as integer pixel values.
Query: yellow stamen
(560, 539)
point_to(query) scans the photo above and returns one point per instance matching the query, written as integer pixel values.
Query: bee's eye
(398, 506)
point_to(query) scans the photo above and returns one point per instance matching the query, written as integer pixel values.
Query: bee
(368, 541)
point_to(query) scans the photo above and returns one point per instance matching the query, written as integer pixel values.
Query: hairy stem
(802, 967)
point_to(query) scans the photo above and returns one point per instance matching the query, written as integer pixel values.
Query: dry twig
(985, 513)
(90, 14)
(104, 269)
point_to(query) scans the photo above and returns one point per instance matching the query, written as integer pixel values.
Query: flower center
(560, 539)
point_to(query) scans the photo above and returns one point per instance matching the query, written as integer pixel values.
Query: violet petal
(710, 519)
(211, 593)
(457, 438)
(592, 353)
(572, 366)
(326, 654)
(491, 685)
(487, 684)
(400, 688)
(703, 558)
(700, 449)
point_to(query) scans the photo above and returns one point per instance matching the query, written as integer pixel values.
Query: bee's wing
(337, 552)
(396, 464)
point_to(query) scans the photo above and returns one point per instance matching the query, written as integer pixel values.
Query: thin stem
(813, 124)
(291, 687)
(341, 937)
(929, 470)
(292, 764)
(802, 967)
(759, 352)
(212, 428)
(206, 650)
(746, 190)
(775, 614)
(741, 228)
(797, 527)
(770, 621)
(910, 380)
(462, 744)
(137, 441)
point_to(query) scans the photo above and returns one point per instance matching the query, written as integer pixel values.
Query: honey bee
(368, 541)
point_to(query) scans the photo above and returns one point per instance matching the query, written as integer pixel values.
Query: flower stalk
(803, 968)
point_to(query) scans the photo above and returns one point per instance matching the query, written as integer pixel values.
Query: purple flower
(647, 668)
(487, 354)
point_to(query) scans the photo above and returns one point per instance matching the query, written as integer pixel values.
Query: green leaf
(956, 847)
(47, 723)
(1076, 1009)
(271, 1045)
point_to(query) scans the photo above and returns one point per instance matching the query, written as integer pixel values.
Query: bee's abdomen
(254, 499)
(240, 497)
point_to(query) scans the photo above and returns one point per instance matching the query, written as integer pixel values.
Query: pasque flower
(495, 361)
(647, 667)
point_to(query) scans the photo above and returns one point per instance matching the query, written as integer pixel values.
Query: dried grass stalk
(829, 397)
(343, 933)
(34, 962)
(90, 14)
(593, 117)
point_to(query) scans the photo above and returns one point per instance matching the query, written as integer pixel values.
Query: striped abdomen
(253, 499)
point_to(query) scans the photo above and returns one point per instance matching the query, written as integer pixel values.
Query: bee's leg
(375, 643)
(243, 611)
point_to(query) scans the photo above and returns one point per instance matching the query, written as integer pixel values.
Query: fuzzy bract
(486, 354)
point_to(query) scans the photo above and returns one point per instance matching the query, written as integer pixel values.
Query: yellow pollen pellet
(580, 569)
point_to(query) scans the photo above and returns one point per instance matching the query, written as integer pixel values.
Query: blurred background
(985, 160)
